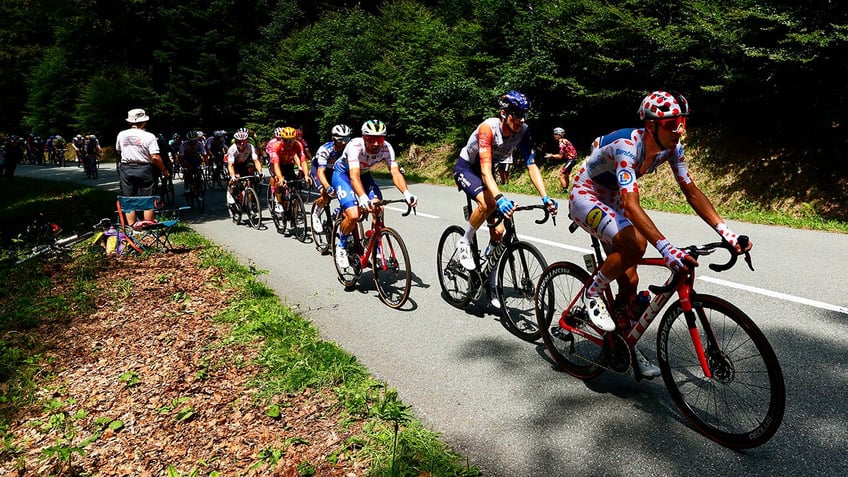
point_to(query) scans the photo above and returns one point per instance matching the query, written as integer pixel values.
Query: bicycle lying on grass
(381, 248)
(50, 246)
(517, 266)
(718, 367)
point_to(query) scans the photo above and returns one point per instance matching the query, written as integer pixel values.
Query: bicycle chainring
(615, 354)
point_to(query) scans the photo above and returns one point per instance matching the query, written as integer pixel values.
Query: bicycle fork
(692, 323)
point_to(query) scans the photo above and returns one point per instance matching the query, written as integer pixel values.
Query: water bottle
(640, 304)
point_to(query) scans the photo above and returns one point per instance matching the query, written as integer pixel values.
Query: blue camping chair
(144, 234)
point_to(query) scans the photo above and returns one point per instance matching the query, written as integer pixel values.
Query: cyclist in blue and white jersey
(322, 169)
(353, 183)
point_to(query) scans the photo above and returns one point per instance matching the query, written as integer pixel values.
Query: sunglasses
(377, 139)
(341, 139)
(672, 124)
(288, 141)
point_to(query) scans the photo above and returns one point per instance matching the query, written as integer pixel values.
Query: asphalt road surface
(499, 400)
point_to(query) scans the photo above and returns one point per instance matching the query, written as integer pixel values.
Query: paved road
(499, 401)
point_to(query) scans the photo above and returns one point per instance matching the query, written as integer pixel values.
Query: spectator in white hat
(139, 153)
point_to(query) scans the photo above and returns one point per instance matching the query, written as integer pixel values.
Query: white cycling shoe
(341, 257)
(317, 226)
(598, 313)
(647, 369)
(464, 255)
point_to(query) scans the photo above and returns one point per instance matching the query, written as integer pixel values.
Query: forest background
(766, 80)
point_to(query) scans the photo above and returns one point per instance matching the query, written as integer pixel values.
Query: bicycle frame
(369, 242)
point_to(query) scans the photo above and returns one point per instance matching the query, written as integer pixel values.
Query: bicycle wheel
(166, 191)
(252, 208)
(390, 265)
(556, 293)
(94, 168)
(322, 239)
(347, 275)
(200, 194)
(518, 272)
(454, 279)
(271, 201)
(742, 404)
(298, 218)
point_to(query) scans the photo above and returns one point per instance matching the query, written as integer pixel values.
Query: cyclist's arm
(156, 159)
(322, 176)
(356, 181)
(484, 140)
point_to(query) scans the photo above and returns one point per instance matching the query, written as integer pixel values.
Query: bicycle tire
(557, 287)
(298, 218)
(742, 405)
(168, 191)
(391, 268)
(94, 170)
(271, 202)
(252, 208)
(347, 275)
(200, 195)
(322, 239)
(454, 279)
(519, 270)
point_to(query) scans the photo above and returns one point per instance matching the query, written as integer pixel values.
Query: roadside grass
(293, 358)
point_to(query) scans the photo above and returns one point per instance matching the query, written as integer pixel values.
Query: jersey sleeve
(485, 137)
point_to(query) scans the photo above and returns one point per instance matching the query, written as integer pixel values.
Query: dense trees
(431, 69)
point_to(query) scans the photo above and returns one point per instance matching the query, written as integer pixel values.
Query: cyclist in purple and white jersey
(605, 202)
(322, 169)
(354, 185)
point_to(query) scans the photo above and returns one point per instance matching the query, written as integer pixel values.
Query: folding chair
(144, 234)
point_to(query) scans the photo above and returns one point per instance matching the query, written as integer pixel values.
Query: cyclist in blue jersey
(322, 170)
(605, 202)
(353, 183)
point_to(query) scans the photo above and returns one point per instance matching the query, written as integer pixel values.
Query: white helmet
(241, 134)
(559, 131)
(341, 130)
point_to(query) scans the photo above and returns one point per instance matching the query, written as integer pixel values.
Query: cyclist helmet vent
(559, 131)
(240, 135)
(341, 130)
(374, 127)
(662, 105)
(288, 133)
(514, 102)
(278, 133)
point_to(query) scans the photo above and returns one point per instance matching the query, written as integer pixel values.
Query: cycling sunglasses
(341, 138)
(672, 124)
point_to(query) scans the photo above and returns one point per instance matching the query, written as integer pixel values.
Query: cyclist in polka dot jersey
(605, 202)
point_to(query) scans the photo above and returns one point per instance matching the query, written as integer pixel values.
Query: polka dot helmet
(663, 105)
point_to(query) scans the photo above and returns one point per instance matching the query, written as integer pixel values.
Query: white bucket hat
(137, 116)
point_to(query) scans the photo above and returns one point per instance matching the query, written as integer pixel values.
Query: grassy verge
(292, 358)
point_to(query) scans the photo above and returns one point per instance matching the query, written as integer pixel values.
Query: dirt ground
(154, 378)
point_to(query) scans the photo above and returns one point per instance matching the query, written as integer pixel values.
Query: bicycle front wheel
(252, 208)
(742, 404)
(349, 274)
(390, 265)
(454, 279)
(518, 272)
(321, 239)
(556, 306)
(271, 200)
(298, 218)
(167, 191)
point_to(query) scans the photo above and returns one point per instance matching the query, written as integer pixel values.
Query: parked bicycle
(246, 203)
(48, 245)
(517, 266)
(718, 367)
(381, 248)
(293, 216)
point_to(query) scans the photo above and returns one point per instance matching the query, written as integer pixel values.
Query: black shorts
(137, 179)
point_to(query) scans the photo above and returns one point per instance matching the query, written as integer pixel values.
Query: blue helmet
(515, 102)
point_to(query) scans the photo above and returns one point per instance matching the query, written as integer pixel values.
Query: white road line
(717, 281)
(419, 214)
(774, 294)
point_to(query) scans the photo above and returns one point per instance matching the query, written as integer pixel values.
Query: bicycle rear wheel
(322, 239)
(555, 300)
(390, 265)
(298, 218)
(742, 404)
(454, 279)
(518, 272)
(166, 191)
(252, 208)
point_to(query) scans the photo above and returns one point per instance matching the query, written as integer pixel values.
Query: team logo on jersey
(625, 178)
(595, 217)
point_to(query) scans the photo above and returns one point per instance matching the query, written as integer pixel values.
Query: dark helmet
(514, 102)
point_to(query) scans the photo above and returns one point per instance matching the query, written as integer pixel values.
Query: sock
(469, 233)
(342, 240)
(599, 284)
